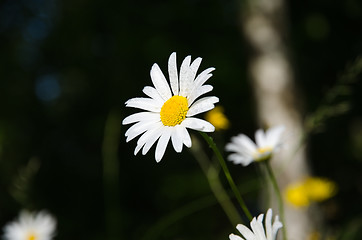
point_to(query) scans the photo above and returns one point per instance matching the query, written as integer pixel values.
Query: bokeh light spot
(47, 88)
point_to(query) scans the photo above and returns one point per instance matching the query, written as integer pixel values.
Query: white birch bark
(264, 26)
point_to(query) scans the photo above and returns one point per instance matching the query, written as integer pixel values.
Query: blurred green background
(67, 67)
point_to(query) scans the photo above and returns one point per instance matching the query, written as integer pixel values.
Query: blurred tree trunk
(265, 28)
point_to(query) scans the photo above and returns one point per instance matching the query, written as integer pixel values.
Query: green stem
(181, 214)
(279, 196)
(212, 174)
(222, 162)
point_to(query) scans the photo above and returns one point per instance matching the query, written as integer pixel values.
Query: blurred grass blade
(111, 175)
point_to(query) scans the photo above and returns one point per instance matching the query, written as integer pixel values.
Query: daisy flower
(246, 151)
(257, 231)
(170, 107)
(31, 226)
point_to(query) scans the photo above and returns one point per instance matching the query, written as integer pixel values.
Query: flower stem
(222, 162)
(279, 196)
(212, 174)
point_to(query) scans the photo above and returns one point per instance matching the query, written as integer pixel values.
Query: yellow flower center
(31, 236)
(263, 154)
(174, 111)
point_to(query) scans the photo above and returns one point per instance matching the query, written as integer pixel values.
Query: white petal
(198, 92)
(273, 135)
(246, 232)
(238, 148)
(268, 224)
(276, 226)
(138, 129)
(245, 142)
(160, 82)
(193, 68)
(152, 139)
(138, 147)
(186, 137)
(153, 93)
(148, 136)
(198, 124)
(148, 104)
(185, 83)
(197, 84)
(258, 228)
(202, 105)
(137, 117)
(260, 138)
(172, 72)
(162, 143)
(177, 138)
(232, 146)
(203, 77)
(238, 159)
(235, 237)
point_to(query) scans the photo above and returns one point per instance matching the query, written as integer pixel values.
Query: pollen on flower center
(31, 236)
(174, 111)
(264, 150)
(263, 153)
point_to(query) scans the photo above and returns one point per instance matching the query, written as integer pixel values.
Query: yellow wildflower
(314, 236)
(217, 118)
(320, 189)
(302, 193)
(297, 195)
(318, 236)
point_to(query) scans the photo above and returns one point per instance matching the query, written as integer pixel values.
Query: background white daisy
(257, 231)
(31, 226)
(171, 107)
(246, 151)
